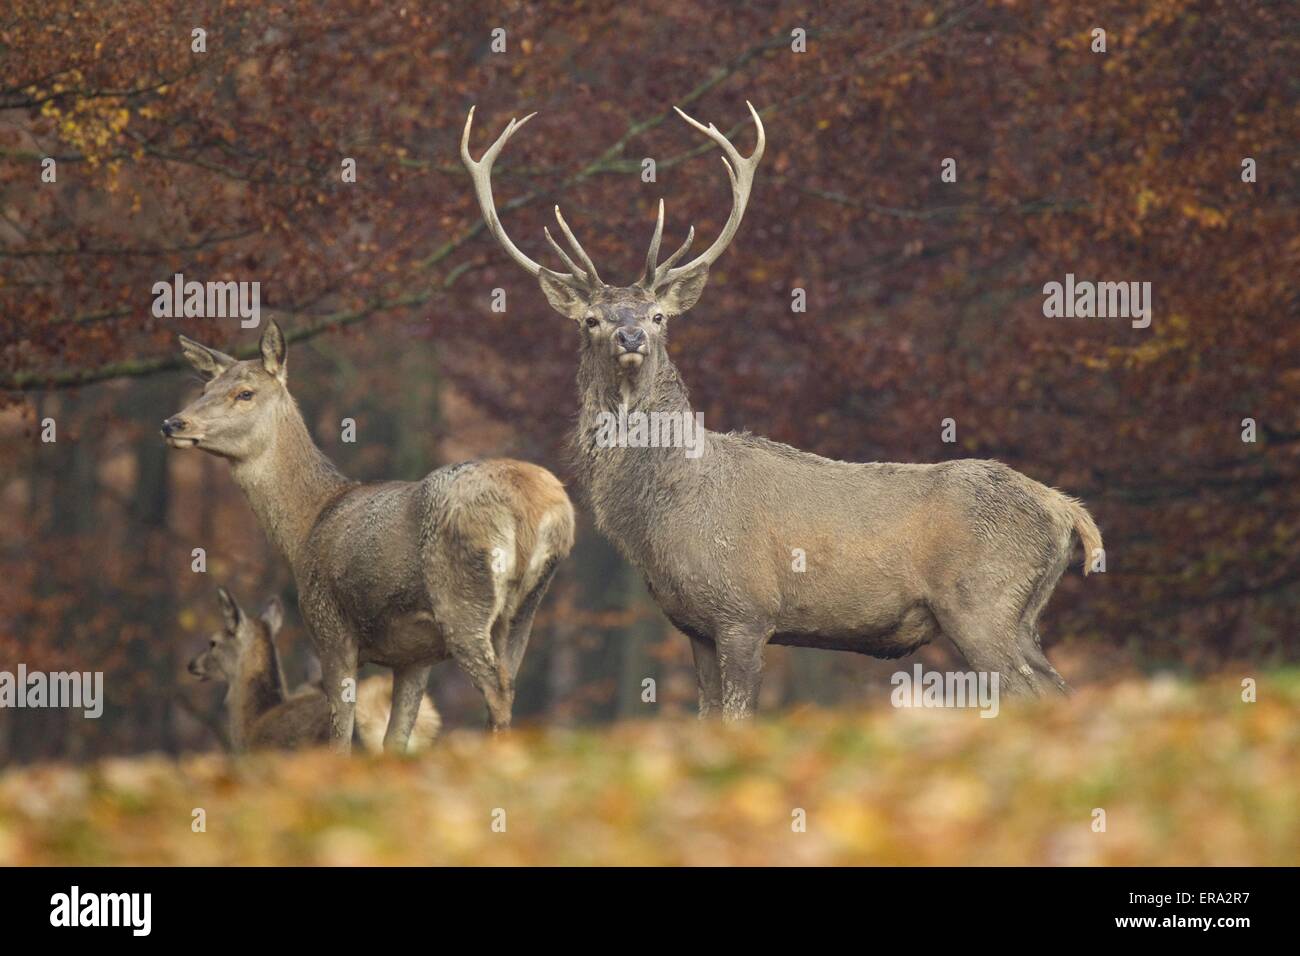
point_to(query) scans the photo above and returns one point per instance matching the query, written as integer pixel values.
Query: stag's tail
(1086, 529)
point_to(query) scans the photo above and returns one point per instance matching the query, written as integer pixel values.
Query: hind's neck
(288, 484)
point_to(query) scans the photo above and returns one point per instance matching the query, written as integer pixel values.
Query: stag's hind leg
(1027, 628)
(986, 638)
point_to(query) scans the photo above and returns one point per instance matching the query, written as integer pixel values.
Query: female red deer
(263, 714)
(398, 573)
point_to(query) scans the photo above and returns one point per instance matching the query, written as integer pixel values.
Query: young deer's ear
(231, 614)
(564, 299)
(273, 615)
(209, 362)
(684, 291)
(274, 350)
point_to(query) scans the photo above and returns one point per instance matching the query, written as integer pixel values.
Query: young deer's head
(241, 404)
(625, 327)
(240, 642)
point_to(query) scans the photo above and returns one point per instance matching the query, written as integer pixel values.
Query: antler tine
(652, 256)
(481, 173)
(564, 256)
(593, 277)
(740, 170)
(681, 251)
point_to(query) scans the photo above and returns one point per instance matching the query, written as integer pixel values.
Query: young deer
(895, 554)
(263, 715)
(396, 573)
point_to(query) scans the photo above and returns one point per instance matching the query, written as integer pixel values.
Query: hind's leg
(466, 607)
(409, 685)
(336, 647)
(515, 642)
(468, 630)
(471, 646)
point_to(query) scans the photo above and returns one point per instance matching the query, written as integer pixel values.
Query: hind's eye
(244, 396)
(659, 317)
(212, 645)
(592, 321)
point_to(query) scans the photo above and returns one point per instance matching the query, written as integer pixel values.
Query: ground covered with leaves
(1186, 773)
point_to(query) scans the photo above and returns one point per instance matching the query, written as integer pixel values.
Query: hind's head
(242, 405)
(229, 647)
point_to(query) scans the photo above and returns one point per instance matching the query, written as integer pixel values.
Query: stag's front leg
(708, 676)
(740, 661)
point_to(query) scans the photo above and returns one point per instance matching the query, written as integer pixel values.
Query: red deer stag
(895, 554)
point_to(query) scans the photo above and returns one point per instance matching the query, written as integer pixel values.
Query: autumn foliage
(1184, 775)
(924, 297)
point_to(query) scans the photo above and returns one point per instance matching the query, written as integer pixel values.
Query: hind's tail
(1087, 531)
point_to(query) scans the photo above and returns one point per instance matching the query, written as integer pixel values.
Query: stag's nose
(630, 339)
(194, 668)
(172, 425)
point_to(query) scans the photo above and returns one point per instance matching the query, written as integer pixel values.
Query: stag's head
(626, 325)
(241, 404)
(236, 639)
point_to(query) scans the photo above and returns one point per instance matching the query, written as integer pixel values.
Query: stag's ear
(274, 350)
(231, 614)
(684, 291)
(273, 615)
(564, 299)
(209, 362)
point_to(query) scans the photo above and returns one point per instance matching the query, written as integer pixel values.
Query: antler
(741, 172)
(584, 278)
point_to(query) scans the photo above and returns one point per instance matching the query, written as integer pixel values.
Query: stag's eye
(592, 321)
(245, 396)
(659, 317)
(212, 645)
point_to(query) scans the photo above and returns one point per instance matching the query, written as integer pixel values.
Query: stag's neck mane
(289, 483)
(610, 471)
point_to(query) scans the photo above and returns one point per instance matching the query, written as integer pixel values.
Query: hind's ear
(273, 615)
(209, 362)
(231, 614)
